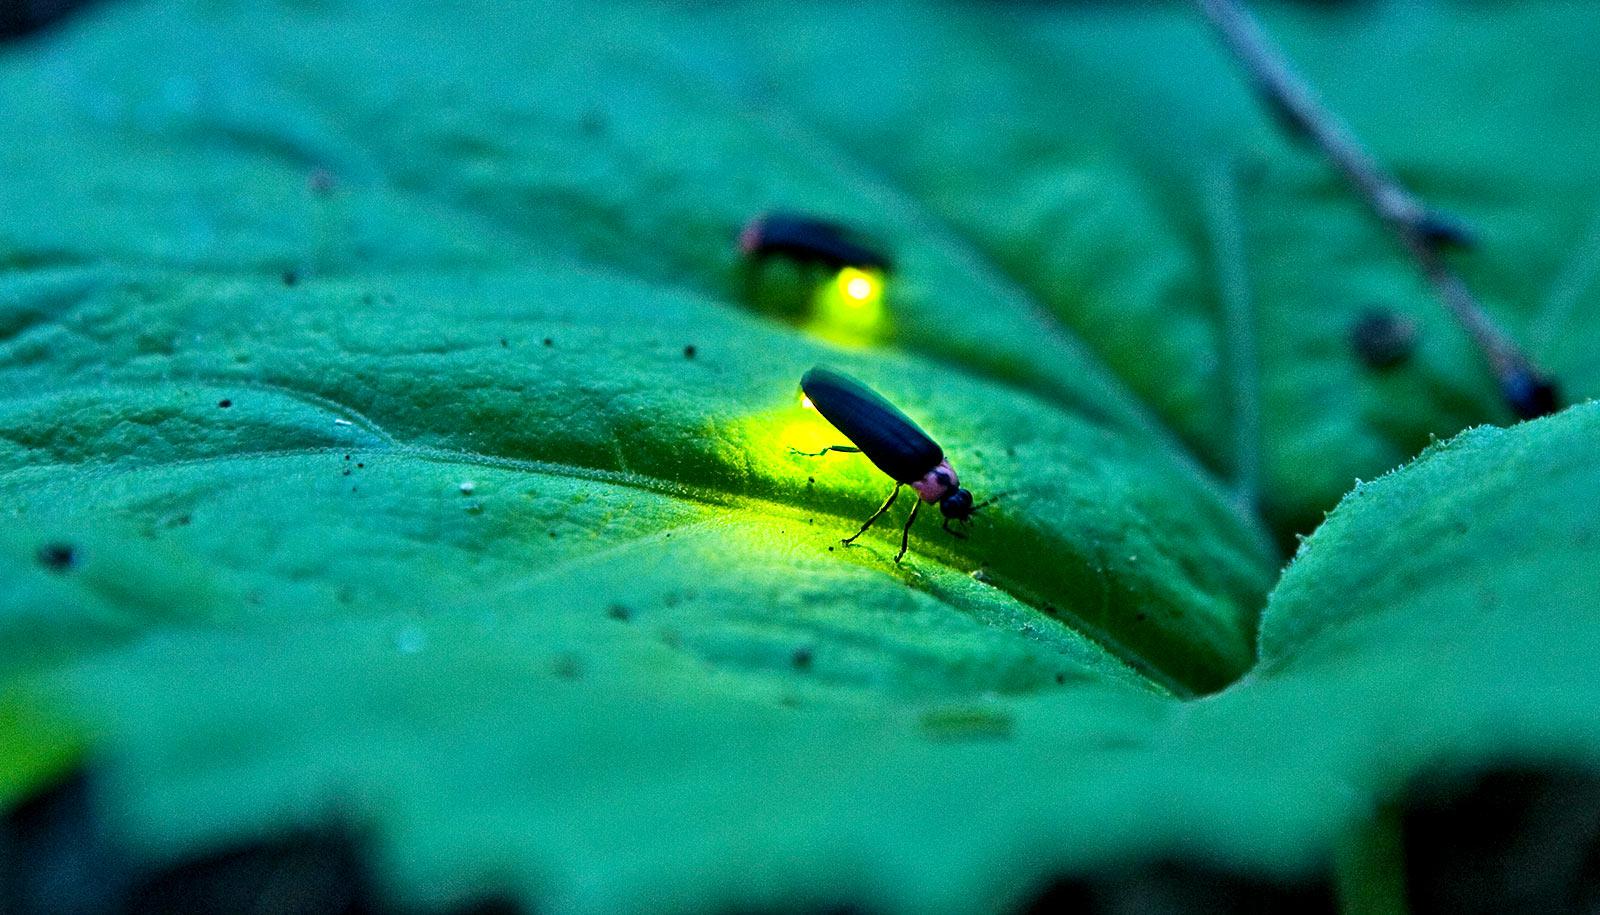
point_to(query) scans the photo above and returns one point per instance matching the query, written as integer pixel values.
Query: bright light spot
(808, 435)
(850, 308)
(806, 402)
(856, 286)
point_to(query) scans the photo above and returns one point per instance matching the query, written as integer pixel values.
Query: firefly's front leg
(905, 534)
(847, 449)
(877, 514)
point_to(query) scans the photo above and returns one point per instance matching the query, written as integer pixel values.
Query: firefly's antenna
(991, 500)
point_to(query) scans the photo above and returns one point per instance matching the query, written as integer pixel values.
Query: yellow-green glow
(808, 433)
(850, 309)
(806, 402)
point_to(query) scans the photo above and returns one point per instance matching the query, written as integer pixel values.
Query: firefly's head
(957, 505)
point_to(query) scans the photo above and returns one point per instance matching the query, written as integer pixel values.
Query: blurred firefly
(849, 302)
(890, 440)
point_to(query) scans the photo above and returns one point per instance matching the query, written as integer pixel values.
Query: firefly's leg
(847, 449)
(952, 531)
(905, 534)
(877, 514)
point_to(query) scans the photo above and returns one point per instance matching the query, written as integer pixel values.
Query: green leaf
(390, 432)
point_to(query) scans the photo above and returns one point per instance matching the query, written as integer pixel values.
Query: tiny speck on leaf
(689, 351)
(619, 613)
(290, 278)
(802, 659)
(549, 341)
(504, 342)
(224, 403)
(321, 182)
(467, 487)
(57, 557)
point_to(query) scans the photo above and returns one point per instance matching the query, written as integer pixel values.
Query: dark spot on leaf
(619, 613)
(58, 556)
(1051, 610)
(361, 465)
(1061, 679)
(322, 182)
(1141, 617)
(504, 342)
(224, 403)
(552, 535)
(549, 341)
(290, 278)
(567, 667)
(689, 351)
(801, 659)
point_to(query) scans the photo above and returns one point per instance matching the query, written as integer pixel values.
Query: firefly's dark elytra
(808, 240)
(885, 435)
(891, 441)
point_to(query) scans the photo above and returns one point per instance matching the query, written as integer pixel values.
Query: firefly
(891, 441)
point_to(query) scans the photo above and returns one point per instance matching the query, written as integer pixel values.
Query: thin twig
(1239, 331)
(1424, 233)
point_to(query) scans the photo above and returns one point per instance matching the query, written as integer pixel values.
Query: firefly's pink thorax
(937, 483)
